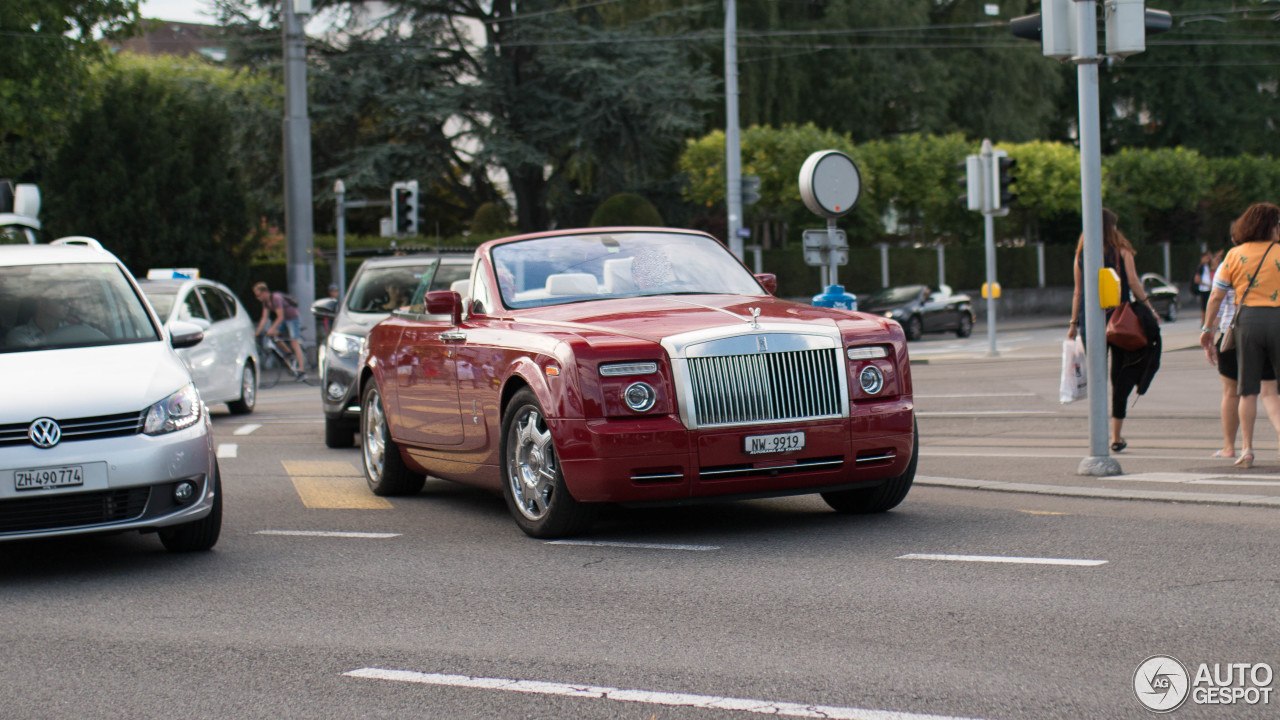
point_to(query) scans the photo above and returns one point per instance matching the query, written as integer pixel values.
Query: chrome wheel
(374, 435)
(248, 386)
(531, 464)
(248, 391)
(384, 468)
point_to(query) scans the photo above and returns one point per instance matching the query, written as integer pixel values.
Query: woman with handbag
(1226, 361)
(1252, 269)
(1127, 367)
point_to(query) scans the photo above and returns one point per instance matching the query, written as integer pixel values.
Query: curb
(1101, 493)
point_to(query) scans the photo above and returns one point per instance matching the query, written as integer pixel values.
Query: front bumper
(338, 386)
(128, 485)
(658, 460)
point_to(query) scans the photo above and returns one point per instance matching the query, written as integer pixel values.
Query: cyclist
(286, 315)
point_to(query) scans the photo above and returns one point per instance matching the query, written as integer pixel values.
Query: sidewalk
(995, 423)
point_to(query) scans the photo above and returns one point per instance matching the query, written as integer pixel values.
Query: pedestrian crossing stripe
(330, 485)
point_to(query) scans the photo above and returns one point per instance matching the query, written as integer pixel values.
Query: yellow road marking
(332, 485)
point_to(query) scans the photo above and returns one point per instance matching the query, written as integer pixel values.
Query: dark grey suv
(379, 286)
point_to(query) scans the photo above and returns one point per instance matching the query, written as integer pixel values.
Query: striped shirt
(1227, 310)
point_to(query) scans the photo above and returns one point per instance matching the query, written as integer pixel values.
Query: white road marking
(761, 707)
(227, 450)
(1004, 559)
(246, 429)
(966, 413)
(975, 395)
(329, 533)
(1204, 479)
(636, 545)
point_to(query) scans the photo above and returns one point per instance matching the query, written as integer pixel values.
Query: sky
(196, 11)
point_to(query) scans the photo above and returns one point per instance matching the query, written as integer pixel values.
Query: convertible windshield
(594, 266)
(894, 295)
(44, 307)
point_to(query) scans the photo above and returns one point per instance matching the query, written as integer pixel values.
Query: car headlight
(640, 396)
(179, 410)
(646, 367)
(344, 345)
(871, 379)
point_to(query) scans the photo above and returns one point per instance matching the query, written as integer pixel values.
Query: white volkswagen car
(225, 365)
(101, 427)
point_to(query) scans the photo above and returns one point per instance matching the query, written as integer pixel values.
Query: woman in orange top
(1252, 269)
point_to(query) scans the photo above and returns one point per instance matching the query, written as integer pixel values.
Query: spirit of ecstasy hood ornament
(755, 317)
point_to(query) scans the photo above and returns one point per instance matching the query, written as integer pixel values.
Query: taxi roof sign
(173, 273)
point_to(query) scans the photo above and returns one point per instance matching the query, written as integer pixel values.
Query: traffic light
(1127, 23)
(750, 189)
(404, 207)
(1002, 193)
(971, 181)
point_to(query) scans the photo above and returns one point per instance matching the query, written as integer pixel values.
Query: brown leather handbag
(1124, 330)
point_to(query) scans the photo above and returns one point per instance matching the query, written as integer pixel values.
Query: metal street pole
(989, 231)
(340, 191)
(1099, 462)
(298, 221)
(732, 145)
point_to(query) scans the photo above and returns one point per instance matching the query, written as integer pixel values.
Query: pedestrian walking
(1228, 369)
(1255, 278)
(1202, 281)
(1130, 369)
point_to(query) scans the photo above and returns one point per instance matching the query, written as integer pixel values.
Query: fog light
(640, 396)
(183, 492)
(336, 390)
(871, 379)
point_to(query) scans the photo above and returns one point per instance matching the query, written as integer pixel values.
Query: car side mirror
(184, 334)
(768, 281)
(445, 302)
(326, 308)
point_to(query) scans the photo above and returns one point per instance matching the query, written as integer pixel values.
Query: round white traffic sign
(830, 183)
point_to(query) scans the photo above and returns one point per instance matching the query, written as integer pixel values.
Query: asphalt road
(1022, 602)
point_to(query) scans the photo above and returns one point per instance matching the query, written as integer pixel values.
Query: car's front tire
(533, 485)
(964, 328)
(882, 497)
(248, 391)
(201, 534)
(338, 433)
(914, 328)
(384, 469)
(1171, 311)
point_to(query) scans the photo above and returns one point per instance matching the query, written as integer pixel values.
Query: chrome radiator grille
(739, 389)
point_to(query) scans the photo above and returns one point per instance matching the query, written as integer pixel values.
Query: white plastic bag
(1074, 379)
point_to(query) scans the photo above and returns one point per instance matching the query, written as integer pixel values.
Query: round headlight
(871, 379)
(640, 396)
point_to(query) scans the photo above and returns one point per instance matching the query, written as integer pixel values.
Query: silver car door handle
(453, 335)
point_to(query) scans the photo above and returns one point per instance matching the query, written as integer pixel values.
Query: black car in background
(379, 286)
(1163, 294)
(921, 309)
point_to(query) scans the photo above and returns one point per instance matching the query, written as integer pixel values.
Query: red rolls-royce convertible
(633, 365)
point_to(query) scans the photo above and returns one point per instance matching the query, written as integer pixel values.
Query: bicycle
(278, 359)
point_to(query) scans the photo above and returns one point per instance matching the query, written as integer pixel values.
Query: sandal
(1244, 461)
(1118, 446)
(1221, 454)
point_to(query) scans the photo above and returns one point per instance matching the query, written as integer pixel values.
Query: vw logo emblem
(44, 432)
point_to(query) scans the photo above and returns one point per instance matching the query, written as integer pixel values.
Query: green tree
(48, 46)
(1209, 84)
(146, 171)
